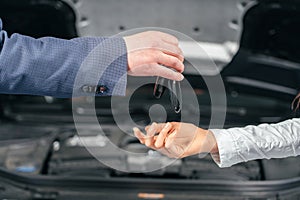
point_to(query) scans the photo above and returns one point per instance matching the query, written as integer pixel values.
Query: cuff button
(87, 89)
(101, 89)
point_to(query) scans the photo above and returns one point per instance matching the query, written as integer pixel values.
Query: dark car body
(41, 157)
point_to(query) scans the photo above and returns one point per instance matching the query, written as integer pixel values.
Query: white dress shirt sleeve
(257, 142)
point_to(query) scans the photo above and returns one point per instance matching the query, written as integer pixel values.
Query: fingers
(139, 135)
(169, 44)
(151, 130)
(169, 140)
(172, 50)
(159, 126)
(153, 141)
(147, 128)
(148, 141)
(150, 133)
(170, 61)
(148, 50)
(149, 63)
(167, 73)
(162, 135)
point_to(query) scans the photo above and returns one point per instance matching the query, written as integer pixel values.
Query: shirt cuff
(228, 150)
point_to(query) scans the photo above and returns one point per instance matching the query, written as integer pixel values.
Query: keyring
(174, 90)
(175, 95)
(159, 87)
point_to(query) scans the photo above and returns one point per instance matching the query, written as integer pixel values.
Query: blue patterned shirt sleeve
(48, 66)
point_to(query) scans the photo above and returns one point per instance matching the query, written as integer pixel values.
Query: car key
(174, 89)
(159, 87)
(175, 95)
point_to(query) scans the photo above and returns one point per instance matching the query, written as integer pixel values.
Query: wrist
(127, 44)
(206, 141)
(213, 145)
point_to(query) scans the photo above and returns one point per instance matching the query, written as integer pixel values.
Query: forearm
(49, 66)
(265, 141)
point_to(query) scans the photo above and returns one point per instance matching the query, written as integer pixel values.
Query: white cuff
(228, 149)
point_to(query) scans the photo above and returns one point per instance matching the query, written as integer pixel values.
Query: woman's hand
(148, 51)
(177, 140)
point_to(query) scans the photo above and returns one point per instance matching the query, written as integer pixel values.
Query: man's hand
(148, 51)
(177, 140)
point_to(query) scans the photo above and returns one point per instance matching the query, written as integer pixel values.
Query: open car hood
(42, 157)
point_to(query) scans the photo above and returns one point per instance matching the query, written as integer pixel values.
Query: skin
(148, 51)
(177, 140)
